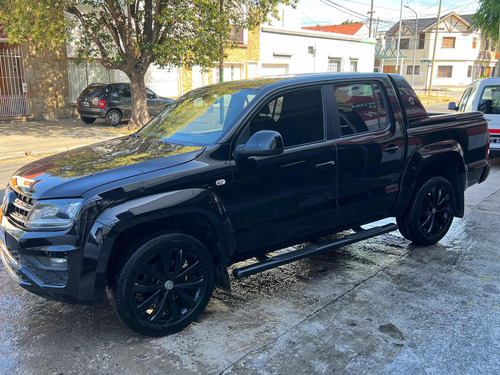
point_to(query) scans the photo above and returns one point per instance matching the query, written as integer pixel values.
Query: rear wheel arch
(449, 165)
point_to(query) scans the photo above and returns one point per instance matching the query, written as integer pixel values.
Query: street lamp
(414, 44)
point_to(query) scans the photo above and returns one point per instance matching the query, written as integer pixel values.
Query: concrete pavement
(34, 138)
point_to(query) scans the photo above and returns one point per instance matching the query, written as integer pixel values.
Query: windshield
(465, 104)
(200, 117)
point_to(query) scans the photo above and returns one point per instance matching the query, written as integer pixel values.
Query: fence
(13, 87)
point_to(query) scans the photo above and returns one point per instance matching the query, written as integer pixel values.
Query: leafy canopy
(131, 34)
(488, 18)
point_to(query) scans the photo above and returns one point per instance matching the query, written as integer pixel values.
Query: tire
(113, 117)
(430, 214)
(88, 120)
(164, 284)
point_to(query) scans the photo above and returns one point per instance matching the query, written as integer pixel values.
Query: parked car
(231, 172)
(483, 95)
(112, 101)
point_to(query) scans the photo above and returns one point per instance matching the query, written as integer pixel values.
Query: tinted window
(200, 117)
(150, 94)
(94, 90)
(120, 92)
(361, 108)
(489, 103)
(297, 116)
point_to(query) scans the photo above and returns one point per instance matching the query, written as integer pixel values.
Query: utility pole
(371, 20)
(435, 45)
(399, 36)
(414, 44)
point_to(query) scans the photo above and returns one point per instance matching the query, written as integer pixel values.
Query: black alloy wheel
(164, 284)
(431, 212)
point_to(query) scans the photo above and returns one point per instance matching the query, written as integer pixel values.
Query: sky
(334, 12)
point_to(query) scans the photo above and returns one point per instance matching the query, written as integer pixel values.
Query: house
(462, 54)
(32, 83)
(355, 29)
(287, 48)
(284, 47)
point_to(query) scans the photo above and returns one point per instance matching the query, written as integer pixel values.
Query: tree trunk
(140, 113)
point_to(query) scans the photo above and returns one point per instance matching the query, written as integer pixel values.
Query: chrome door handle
(392, 148)
(327, 164)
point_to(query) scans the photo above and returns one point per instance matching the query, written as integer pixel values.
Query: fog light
(59, 263)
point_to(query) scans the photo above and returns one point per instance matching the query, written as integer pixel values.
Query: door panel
(287, 196)
(370, 153)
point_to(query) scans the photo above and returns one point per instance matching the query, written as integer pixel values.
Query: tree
(130, 35)
(487, 19)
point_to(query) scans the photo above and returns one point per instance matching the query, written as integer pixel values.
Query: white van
(484, 95)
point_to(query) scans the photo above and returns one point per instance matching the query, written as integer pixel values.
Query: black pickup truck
(231, 172)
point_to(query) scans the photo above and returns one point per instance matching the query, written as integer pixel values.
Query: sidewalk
(20, 139)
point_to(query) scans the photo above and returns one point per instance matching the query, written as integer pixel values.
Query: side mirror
(452, 106)
(262, 143)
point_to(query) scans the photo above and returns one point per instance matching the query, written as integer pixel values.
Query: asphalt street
(383, 306)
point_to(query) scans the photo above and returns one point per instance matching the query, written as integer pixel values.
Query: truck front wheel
(430, 213)
(164, 284)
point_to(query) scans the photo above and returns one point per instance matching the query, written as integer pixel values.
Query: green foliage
(131, 34)
(488, 18)
(348, 22)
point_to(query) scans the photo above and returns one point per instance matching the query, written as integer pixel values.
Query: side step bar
(314, 249)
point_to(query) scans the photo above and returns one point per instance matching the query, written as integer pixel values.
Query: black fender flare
(126, 215)
(430, 156)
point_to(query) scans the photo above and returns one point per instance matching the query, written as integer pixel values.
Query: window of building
(444, 71)
(421, 41)
(474, 43)
(361, 108)
(405, 44)
(409, 69)
(237, 36)
(354, 65)
(448, 42)
(334, 65)
(487, 47)
(469, 71)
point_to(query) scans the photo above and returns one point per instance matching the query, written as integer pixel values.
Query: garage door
(274, 69)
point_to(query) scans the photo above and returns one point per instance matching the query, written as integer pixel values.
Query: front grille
(19, 209)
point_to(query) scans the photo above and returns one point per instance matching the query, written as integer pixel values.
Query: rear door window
(93, 91)
(361, 108)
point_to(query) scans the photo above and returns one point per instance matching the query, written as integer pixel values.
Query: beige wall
(47, 79)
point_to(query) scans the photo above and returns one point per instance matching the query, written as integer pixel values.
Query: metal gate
(13, 87)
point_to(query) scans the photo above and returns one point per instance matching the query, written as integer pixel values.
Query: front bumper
(20, 251)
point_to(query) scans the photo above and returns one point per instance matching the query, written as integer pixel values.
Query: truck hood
(72, 173)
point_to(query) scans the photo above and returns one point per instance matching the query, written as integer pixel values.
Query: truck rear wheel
(164, 284)
(430, 214)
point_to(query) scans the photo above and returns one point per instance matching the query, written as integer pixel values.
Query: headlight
(57, 214)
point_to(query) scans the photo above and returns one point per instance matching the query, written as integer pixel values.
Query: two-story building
(462, 55)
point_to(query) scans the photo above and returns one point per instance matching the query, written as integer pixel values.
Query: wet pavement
(382, 306)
